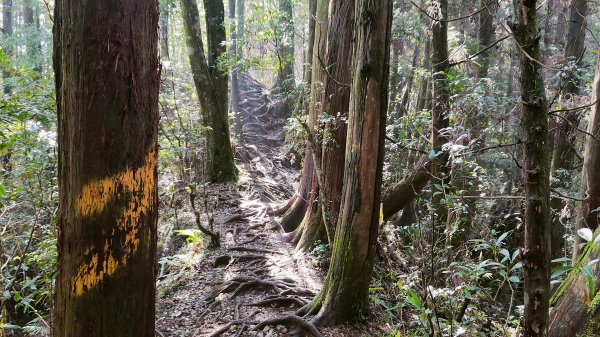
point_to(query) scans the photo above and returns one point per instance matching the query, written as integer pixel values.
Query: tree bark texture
(297, 217)
(344, 297)
(565, 134)
(486, 36)
(211, 85)
(107, 80)
(336, 103)
(590, 189)
(234, 84)
(312, 21)
(536, 161)
(440, 115)
(163, 32)
(32, 37)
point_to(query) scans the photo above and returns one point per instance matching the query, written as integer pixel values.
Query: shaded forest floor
(254, 276)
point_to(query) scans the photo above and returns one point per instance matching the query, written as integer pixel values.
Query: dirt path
(253, 277)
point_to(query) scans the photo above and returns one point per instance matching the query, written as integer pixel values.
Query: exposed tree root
(291, 319)
(280, 300)
(209, 309)
(240, 216)
(227, 260)
(254, 238)
(299, 292)
(239, 285)
(256, 250)
(227, 326)
(308, 310)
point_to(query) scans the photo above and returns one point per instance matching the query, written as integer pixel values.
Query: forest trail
(254, 276)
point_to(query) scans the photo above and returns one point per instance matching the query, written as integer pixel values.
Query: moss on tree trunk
(211, 85)
(344, 297)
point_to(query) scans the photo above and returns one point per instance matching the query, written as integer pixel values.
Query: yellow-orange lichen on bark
(139, 184)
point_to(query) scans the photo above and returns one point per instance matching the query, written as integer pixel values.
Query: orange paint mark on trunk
(139, 184)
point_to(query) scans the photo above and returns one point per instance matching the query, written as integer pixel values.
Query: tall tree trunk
(234, 84)
(241, 26)
(402, 107)
(536, 165)
(440, 115)
(32, 42)
(285, 48)
(211, 85)
(574, 311)
(335, 101)
(344, 297)
(312, 12)
(164, 29)
(107, 166)
(422, 97)
(7, 31)
(396, 46)
(561, 23)
(548, 28)
(486, 36)
(294, 218)
(563, 160)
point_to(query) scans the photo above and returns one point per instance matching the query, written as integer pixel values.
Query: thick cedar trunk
(440, 115)
(107, 102)
(334, 100)
(299, 202)
(211, 85)
(7, 31)
(285, 48)
(234, 83)
(590, 188)
(572, 313)
(565, 135)
(536, 162)
(297, 216)
(344, 297)
(336, 103)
